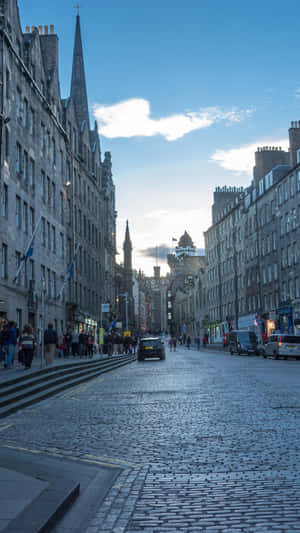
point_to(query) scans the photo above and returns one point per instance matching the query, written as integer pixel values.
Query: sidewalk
(35, 489)
(19, 370)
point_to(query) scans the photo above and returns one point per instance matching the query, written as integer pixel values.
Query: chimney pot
(52, 29)
(41, 30)
(27, 29)
(46, 30)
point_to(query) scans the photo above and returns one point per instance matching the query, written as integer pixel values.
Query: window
(287, 222)
(61, 245)
(48, 282)
(43, 185)
(7, 86)
(293, 219)
(53, 152)
(52, 198)
(6, 153)
(48, 191)
(43, 232)
(18, 158)
(48, 236)
(18, 104)
(292, 185)
(18, 262)
(261, 186)
(280, 197)
(53, 239)
(31, 121)
(25, 113)
(25, 217)
(295, 253)
(286, 190)
(298, 181)
(42, 138)
(18, 212)
(275, 271)
(31, 173)
(4, 200)
(25, 167)
(4, 261)
(31, 221)
(61, 208)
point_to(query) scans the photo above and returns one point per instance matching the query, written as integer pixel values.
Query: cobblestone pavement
(207, 442)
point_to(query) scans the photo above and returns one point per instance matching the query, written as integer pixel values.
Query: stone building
(51, 181)
(185, 293)
(252, 247)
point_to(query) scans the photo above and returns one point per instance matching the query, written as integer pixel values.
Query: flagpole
(23, 260)
(68, 276)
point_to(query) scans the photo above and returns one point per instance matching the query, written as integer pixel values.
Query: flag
(70, 273)
(113, 323)
(29, 252)
(173, 239)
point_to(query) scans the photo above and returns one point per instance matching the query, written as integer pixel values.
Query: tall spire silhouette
(78, 84)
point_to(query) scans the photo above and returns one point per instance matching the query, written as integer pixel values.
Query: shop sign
(105, 308)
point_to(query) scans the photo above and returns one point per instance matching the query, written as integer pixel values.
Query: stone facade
(252, 247)
(51, 168)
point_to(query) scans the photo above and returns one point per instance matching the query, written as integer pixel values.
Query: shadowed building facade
(51, 175)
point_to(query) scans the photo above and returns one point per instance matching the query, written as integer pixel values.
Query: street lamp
(125, 294)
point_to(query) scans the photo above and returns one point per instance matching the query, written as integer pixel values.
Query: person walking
(50, 341)
(170, 344)
(68, 337)
(174, 343)
(90, 344)
(188, 342)
(75, 343)
(27, 344)
(10, 341)
(198, 342)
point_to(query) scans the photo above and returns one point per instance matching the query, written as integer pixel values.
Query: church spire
(127, 247)
(78, 84)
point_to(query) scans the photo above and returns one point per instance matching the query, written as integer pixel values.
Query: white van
(284, 345)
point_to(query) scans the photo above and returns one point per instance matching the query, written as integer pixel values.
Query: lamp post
(43, 323)
(125, 295)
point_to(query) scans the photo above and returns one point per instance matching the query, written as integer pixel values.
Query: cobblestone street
(206, 442)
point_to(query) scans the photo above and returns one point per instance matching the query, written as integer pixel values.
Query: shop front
(286, 319)
(215, 333)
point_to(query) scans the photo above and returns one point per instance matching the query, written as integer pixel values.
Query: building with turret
(53, 185)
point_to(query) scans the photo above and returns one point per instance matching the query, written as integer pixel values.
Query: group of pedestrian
(116, 344)
(75, 343)
(21, 346)
(172, 344)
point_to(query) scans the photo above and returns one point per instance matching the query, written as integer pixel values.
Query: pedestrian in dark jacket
(27, 343)
(10, 341)
(50, 341)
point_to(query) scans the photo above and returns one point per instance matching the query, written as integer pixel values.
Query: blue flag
(113, 323)
(70, 272)
(29, 252)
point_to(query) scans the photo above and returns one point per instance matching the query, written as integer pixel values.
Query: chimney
(294, 137)
(52, 29)
(27, 29)
(46, 30)
(41, 30)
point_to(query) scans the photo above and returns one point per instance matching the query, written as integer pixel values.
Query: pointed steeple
(127, 247)
(78, 84)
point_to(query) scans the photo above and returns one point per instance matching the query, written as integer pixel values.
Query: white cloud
(131, 118)
(297, 92)
(242, 159)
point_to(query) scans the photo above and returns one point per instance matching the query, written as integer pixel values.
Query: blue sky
(183, 93)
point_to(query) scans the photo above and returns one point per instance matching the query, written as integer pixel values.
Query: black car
(243, 341)
(151, 347)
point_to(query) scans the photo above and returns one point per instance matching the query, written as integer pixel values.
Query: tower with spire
(128, 279)
(78, 83)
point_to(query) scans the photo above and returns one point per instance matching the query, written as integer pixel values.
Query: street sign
(105, 308)
(127, 334)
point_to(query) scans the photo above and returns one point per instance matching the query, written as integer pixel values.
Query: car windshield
(291, 339)
(247, 336)
(150, 342)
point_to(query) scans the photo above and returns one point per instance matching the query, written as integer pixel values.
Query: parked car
(151, 347)
(283, 345)
(242, 341)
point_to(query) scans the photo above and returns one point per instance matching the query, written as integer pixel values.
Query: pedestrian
(68, 337)
(198, 342)
(86, 342)
(170, 344)
(174, 343)
(90, 344)
(225, 340)
(265, 337)
(109, 340)
(50, 341)
(204, 341)
(75, 343)
(4, 335)
(61, 345)
(27, 343)
(81, 344)
(188, 342)
(10, 340)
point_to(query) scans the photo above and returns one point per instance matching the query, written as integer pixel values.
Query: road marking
(113, 460)
(81, 388)
(5, 427)
(20, 448)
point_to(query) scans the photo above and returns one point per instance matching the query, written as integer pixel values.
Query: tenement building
(53, 185)
(252, 247)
